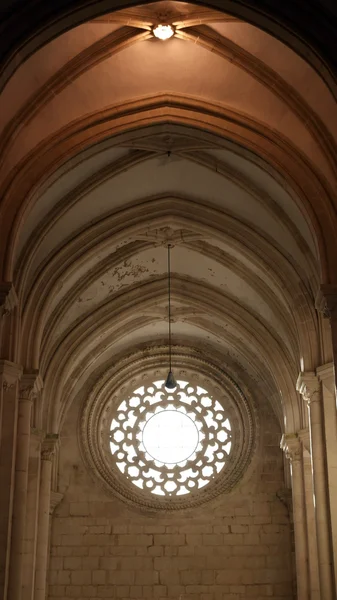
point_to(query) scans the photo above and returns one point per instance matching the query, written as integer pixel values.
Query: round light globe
(163, 32)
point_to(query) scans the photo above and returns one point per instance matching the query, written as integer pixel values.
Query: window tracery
(170, 442)
(128, 409)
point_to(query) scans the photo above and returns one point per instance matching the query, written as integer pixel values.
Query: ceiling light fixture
(170, 382)
(163, 32)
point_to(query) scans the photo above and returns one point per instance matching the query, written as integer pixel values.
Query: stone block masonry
(171, 557)
(233, 548)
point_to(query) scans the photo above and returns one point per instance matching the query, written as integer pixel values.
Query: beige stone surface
(237, 546)
(221, 142)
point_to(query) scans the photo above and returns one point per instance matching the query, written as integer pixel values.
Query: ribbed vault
(220, 141)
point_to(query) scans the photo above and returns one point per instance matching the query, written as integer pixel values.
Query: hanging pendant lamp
(170, 382)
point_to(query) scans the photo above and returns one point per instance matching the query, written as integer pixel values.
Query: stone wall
(236, 547)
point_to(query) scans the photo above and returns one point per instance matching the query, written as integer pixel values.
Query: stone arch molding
(152, 223)
(142, 368)
(276, 153)
(58, 354)
(305, 182)
(213, 132)
(61, 369)
(115, 319)
(23, 35)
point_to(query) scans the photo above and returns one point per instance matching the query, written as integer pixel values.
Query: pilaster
(32, 510)
(304, 436)
(326, 376)
(309, 387)
(292, 447)
(30, 386)
(10, 374)
(49, 447)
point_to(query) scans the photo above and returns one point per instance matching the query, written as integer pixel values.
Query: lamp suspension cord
(169, 300)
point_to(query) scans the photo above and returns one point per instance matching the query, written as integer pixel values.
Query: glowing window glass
(170, 442)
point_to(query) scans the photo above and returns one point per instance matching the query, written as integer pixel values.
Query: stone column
(315, 594)
(326, 376)
(30, 385)
(310, 388)
(32, 512)
(293, 450)
(48, 450)
(10, 374)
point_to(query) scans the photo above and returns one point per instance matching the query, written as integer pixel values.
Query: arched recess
(278, 93)
(196, 225)
(265, 243)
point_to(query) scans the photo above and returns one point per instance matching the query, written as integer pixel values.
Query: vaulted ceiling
(220, 141)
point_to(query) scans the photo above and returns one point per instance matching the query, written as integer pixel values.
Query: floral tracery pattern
(191, 459)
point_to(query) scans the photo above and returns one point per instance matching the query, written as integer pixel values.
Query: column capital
(308, 386)
(8, 297)
(326, 300)
(49, 446)
(304, 436)
(30, 385)
(291, 446)
(10, 373)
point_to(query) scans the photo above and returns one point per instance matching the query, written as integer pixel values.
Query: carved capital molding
(8, 297)
(10, 374)
(55, 499)
(292, 447)
(49, 446)
(326, 300)
(308, 385)
(304, 436)
(30, 386)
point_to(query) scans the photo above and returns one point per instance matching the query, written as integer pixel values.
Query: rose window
(170, 442)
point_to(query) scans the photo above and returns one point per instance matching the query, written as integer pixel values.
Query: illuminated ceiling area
(114, 143)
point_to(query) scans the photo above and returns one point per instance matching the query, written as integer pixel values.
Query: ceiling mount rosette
(165, 449)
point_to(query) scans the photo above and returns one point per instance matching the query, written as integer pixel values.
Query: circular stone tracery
(105, 402)
(170, 443)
